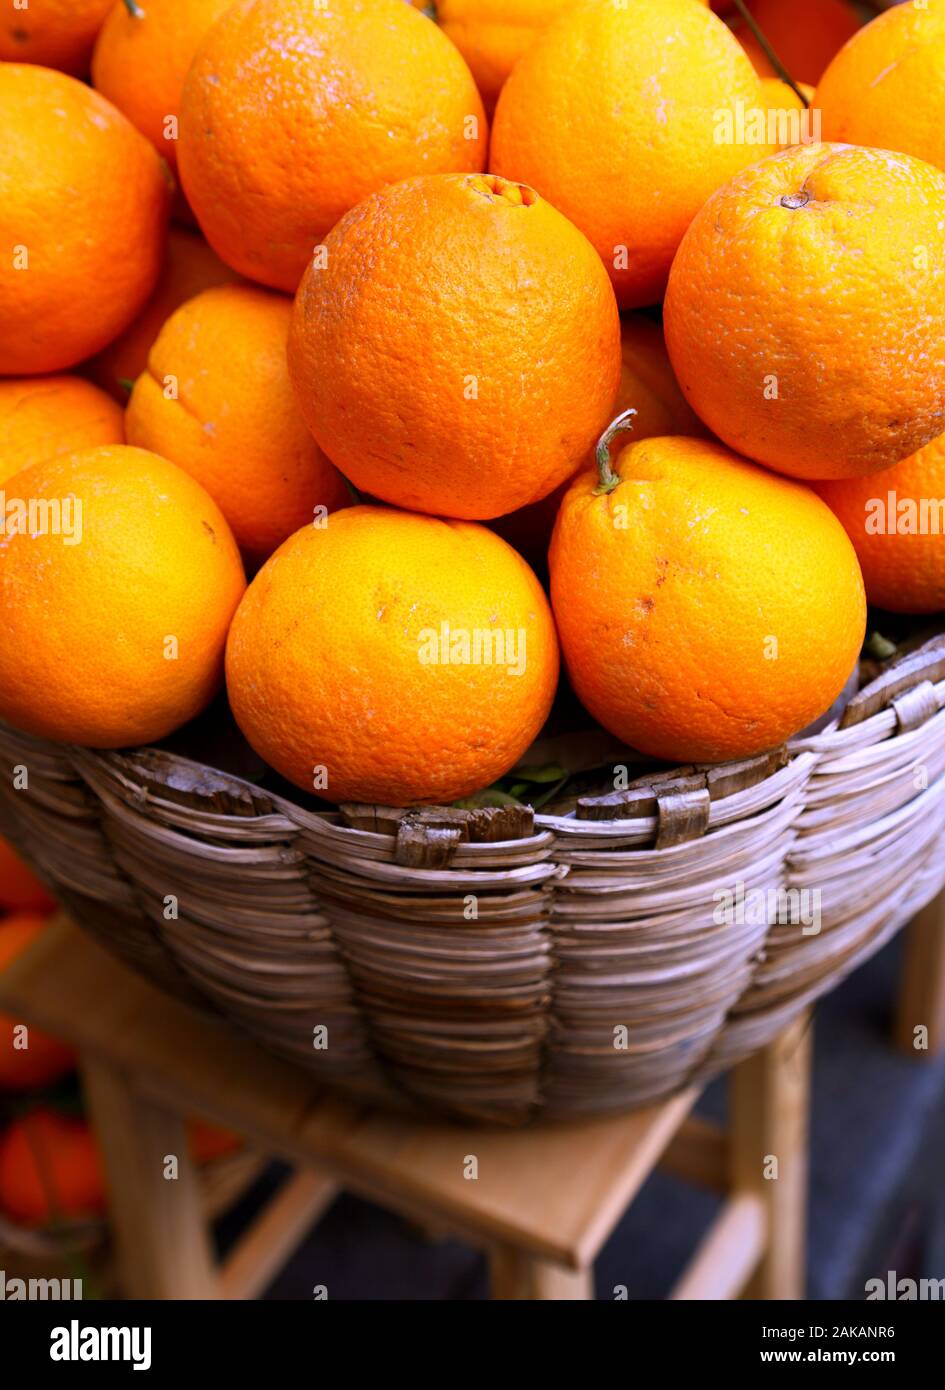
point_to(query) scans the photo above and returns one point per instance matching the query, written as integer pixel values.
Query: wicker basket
(498, 965)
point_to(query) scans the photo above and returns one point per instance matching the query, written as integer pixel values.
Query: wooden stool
(541, 1202)
(922, 989)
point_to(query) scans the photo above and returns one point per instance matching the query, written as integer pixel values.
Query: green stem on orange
(134, 9)
(769, 52)
(607, 478)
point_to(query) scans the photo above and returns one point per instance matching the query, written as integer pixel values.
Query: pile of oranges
(497, 343)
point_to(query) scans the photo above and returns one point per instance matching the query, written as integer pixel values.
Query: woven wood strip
(500, 966)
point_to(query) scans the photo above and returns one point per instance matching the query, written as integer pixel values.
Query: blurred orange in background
(208, 1142)
(54, 33)
(50, 1169)
(805, 34)
(20, 889)
(29, 1060)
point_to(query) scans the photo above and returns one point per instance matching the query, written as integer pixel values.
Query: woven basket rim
(883, 722)
(289, 915)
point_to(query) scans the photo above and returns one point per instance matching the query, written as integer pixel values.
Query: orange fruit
(20, 889)
(189, 267)
(886, 87)
(707, 610)
(44, 1060)
(83, 206)
(648, 386)
(460, 350)
(52, 33)
(788, 123)
(50, 1170)
(617, 115)
(493, 34)
(805, 35)
(209, 1142)
(293, 112)
(119, 639)
(42, 416)
(142, 55)
(51, 1166)
(896, 521)
(392, 658)
(230, 418)
(805, 315)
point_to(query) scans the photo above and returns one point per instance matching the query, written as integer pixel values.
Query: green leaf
(879, 647)
(481, 801)
(550, 794)
(127, 382)
(550, 773)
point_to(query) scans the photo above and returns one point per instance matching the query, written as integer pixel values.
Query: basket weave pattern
(577, 968)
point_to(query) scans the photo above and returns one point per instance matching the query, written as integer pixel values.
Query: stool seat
(541, 1200)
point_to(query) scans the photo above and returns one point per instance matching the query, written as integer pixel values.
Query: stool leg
(769, 1121)
(922, 990)
(160, 1231)
(519, 1275)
